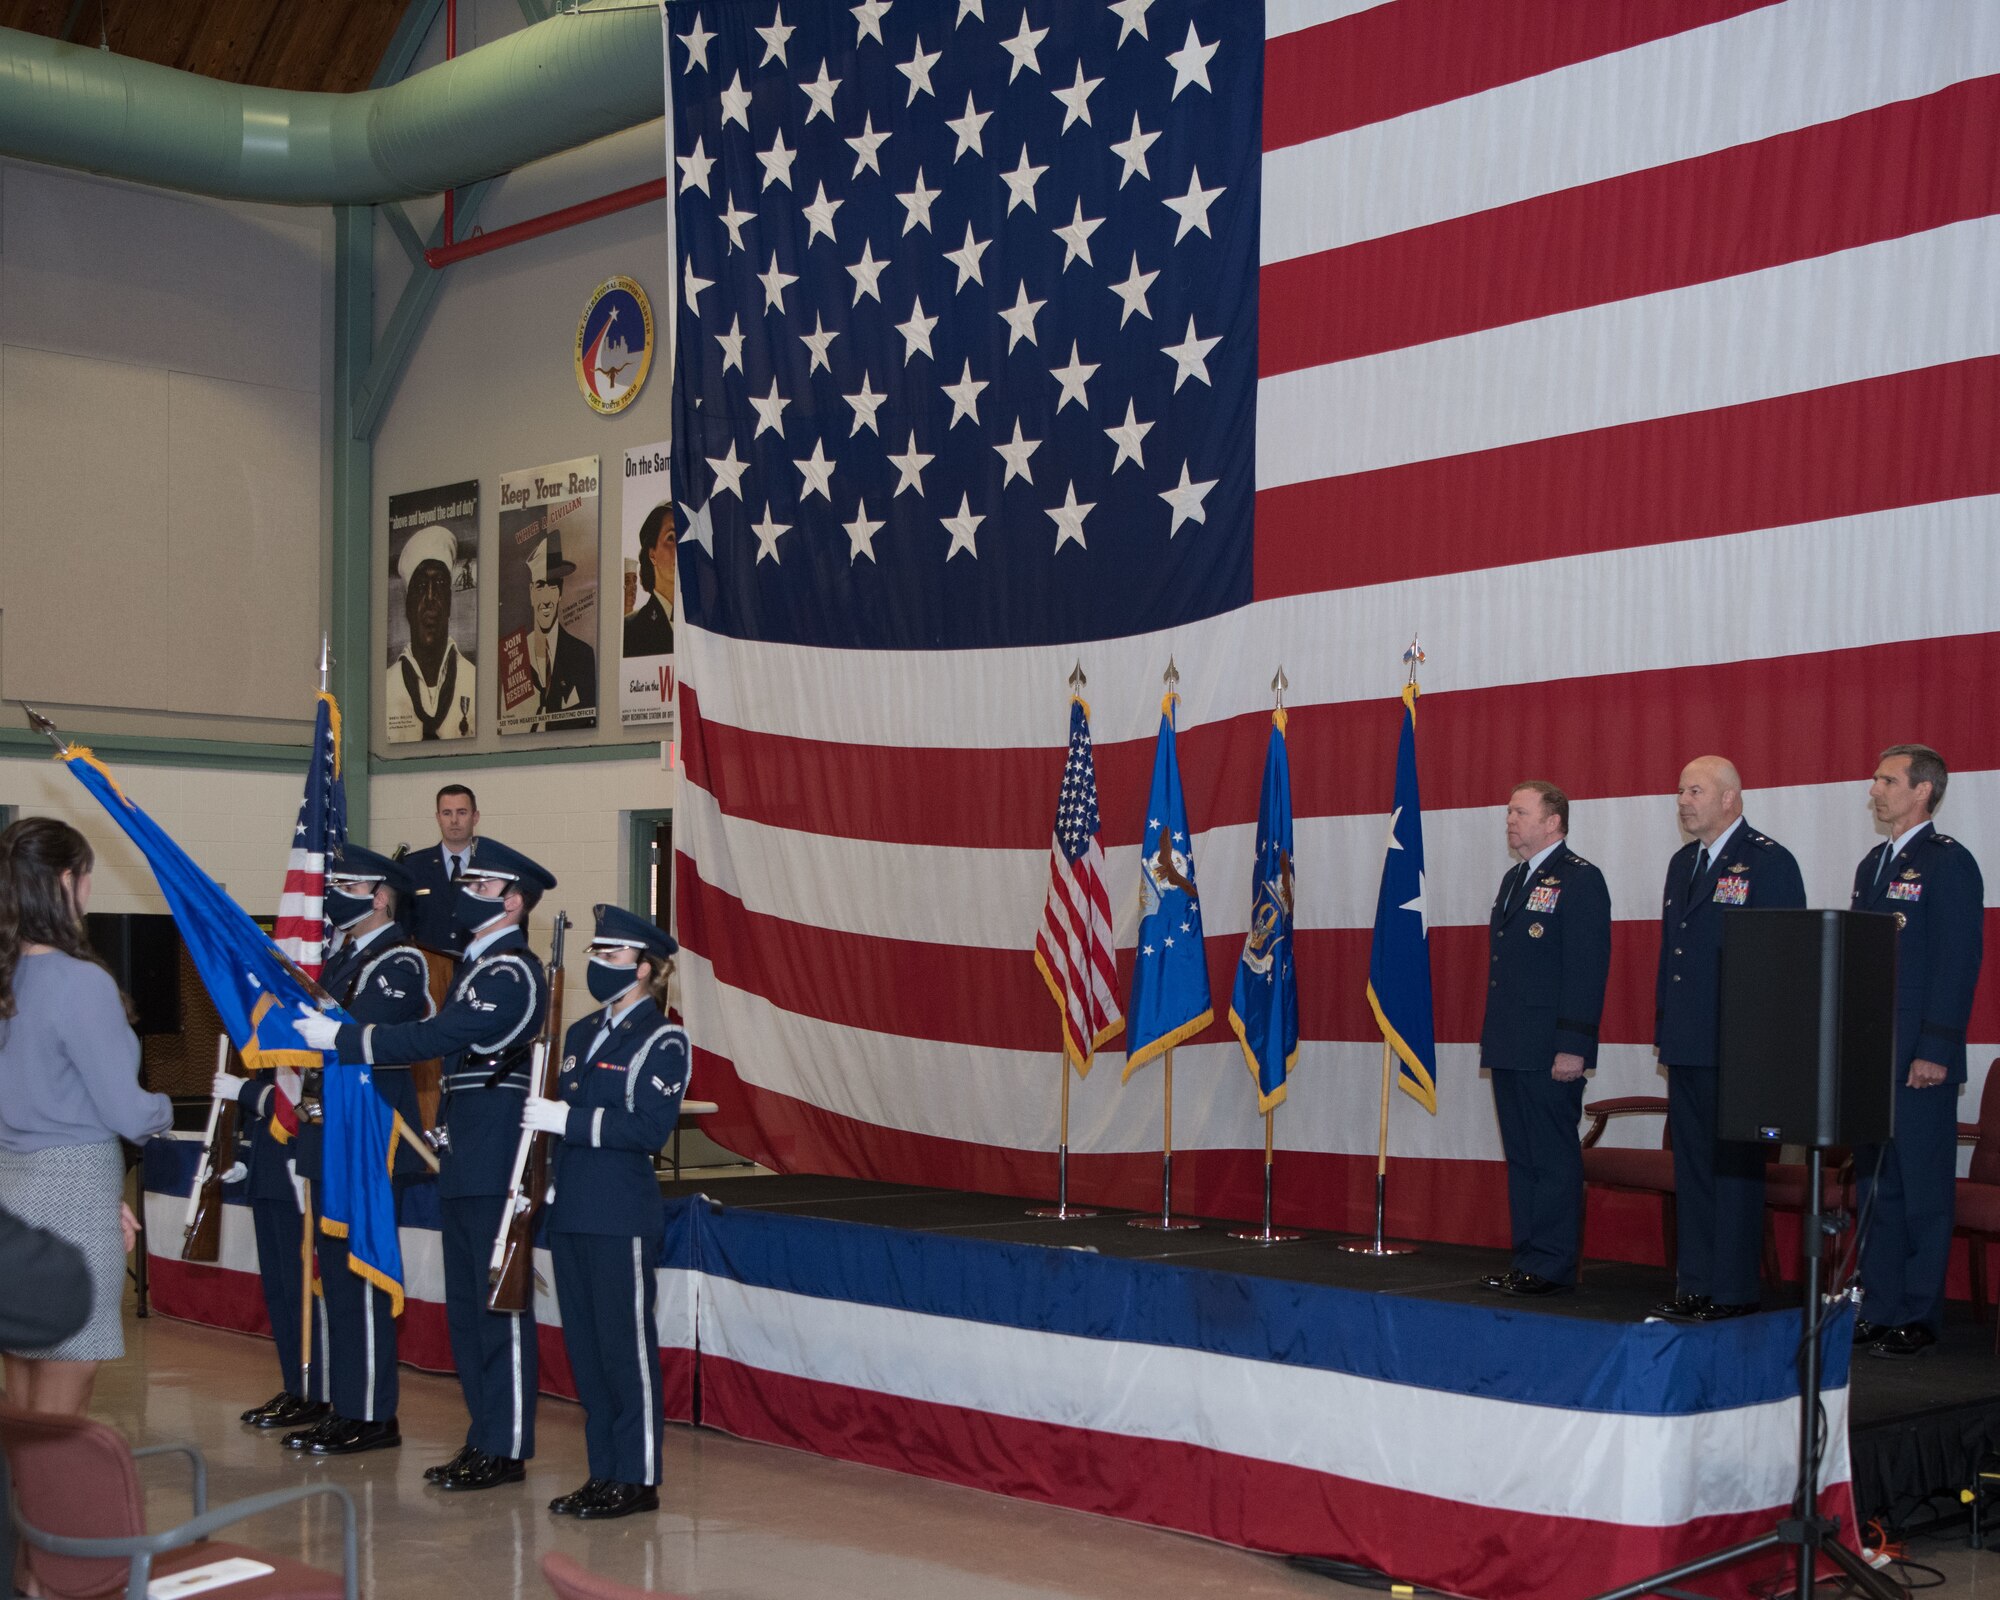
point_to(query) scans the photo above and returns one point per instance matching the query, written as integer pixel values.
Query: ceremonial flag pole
(1399, 960)
(1264, 1009)
(1073, 950)
(1170, 1000)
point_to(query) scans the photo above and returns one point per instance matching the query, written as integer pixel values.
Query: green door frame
(640, 826)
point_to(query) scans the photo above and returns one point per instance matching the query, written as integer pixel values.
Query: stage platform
(1917, 1428)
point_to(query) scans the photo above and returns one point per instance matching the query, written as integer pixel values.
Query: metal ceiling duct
(550, 87)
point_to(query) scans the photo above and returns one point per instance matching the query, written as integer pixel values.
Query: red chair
(1634, 1171)
(82, 1514)
(1978, 1199)
(573, 1582)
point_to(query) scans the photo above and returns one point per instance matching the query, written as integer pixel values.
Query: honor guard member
(1718, 1184)
(378, 977)
(266, 1165)
(1549, 944)
(1932, 886)
(624, 1070)
(484, 1032)
(428, 912)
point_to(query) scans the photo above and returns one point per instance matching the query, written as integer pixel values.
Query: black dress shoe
(444, 1469)
(306, 1438)
(485, 1472)
(297, 1413)
(618, 1500)
(1911, 1340)
(347, 1437)
(565, 1505)
(1717, 1311)
(1868, 1332)
(1502, 1281)
(1533, 1283)
(1683, 1307)
(284, 1397)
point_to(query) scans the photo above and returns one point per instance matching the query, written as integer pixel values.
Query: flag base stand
(1379, 1246)
(1166, 1221)
(1266, 1234)
(1062, 1210)
(1059, 1213)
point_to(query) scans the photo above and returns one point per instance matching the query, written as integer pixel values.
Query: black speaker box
(1807, 1053)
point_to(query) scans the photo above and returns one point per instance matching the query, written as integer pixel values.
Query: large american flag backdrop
(1644, 357)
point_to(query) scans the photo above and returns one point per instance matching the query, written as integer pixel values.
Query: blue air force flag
(1170, 974)
(1264, 1009)
(1399, 960)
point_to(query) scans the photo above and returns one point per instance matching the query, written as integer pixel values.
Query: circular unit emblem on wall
(614, 345)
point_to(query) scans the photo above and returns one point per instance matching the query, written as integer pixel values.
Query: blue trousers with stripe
(605, 1284)
(281, 1261)
(360, 1337)
(498, 1364)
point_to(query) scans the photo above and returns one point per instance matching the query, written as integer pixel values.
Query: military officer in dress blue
(1931, 884)
(624, 1071)
(485, 1033)
(1718, 1184)
(266, 1164)
(1549, 947)
(429, 912)
(377, 977)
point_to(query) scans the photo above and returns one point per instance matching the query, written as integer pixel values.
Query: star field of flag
(968, 317)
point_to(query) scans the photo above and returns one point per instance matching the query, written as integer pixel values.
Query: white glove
(227, 1085)
(237, 1173)
(545, 1116)
(317, 1029)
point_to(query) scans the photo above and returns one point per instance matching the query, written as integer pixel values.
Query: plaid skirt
(73, 1191)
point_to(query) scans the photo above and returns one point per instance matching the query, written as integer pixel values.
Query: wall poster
(646, 543)
(432, 684)
(548, 597)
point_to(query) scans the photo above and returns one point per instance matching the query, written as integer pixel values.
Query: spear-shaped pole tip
(1076, 678)
(41, 724)
(1414, 656)
(1172, 675)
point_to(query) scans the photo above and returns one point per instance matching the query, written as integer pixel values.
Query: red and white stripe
(1644, 359)
(300, 930)
(1074, 951)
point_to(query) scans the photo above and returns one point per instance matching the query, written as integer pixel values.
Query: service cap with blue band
(622, 929)
(492, 859)
(365, 865)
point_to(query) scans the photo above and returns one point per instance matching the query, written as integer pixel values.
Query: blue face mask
(607, 981)
(473, 911)
(343, 910)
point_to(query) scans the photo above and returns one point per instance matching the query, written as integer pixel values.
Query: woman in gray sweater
(69, 1091)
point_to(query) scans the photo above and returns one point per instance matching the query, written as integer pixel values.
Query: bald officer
(1718, 1184)
(1931, 885)
(1549, 947)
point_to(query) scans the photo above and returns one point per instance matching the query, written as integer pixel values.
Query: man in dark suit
(1549, 944)
(1931, 885)
(649, 631)
(1718, 1185)
(563, 666)
(425, 911)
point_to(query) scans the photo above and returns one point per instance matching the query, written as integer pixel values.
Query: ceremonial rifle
(201, 1239)
(509, 1274)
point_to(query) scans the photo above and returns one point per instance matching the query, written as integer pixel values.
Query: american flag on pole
(1643, 357)
(1073, 950)
(319, 834)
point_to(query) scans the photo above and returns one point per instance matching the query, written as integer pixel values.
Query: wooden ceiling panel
(330, 45)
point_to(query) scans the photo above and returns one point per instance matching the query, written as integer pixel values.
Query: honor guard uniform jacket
(384, 980)
(623, 1083)
(268, 1157)
(426, 910)
(1549, 948)
(1934, 890)
(1751, 870)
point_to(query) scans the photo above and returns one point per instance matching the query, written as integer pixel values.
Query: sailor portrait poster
(646, 636)
(547, 567)
(431, 684)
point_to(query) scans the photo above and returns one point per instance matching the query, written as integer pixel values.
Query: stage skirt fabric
(1475, 1450)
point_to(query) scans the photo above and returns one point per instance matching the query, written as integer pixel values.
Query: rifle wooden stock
(201, 1239)
(510, 1273)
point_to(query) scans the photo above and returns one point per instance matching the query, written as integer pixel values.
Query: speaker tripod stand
(1805, 1531)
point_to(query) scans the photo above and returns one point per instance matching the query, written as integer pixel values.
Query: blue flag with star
(1264, 1010)
(1170, 1000)
(1399, 960)
(357, 1198)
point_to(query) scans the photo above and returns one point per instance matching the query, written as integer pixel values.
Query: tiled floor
(740, 1521)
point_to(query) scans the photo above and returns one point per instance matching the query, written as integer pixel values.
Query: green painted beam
(405, 231)
(533, 11)
(350, 584)
(562, 755)
(406, 324)
(406, 42)
(147, 750)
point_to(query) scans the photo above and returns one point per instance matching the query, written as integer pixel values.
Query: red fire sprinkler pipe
(605, 205)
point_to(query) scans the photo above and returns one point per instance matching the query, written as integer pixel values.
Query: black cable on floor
(1354, 1576)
